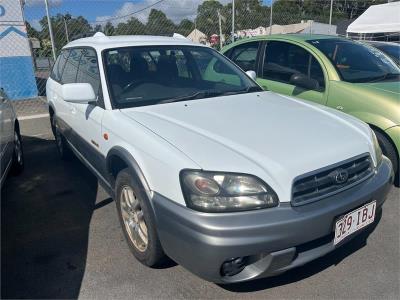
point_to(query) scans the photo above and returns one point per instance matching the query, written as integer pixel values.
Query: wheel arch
(375, 128)
(118, 159)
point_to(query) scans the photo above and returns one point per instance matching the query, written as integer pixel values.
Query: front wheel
(390, 152)
(18, 154)
(136, 220)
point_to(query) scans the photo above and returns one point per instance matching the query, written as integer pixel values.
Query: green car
(337, 72)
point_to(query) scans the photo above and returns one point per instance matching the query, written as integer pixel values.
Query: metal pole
(220, 30)
(233, 21)
(330, 14)
(270, 18)
(53, 47)
(66, 29)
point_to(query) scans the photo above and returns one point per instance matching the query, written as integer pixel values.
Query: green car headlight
(377, 149)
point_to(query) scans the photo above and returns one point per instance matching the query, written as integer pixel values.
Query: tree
(62, 24)
(185, 27)
(159, 24)
(250, 14)
(132, 27)
(32, 32)
(109, 29)
(207, 17)
(97, 28)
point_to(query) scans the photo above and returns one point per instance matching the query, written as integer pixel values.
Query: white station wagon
(232, 182)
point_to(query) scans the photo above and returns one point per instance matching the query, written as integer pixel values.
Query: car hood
(385, 87)
(274, 137)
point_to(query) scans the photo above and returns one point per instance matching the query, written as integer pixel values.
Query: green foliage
(207, 17)
(159, 24)
(185, 27)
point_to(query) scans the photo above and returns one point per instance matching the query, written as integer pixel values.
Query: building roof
(377, 19)
(101, 41)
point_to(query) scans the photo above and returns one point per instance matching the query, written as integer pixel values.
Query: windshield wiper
(196, 95)
(385, 76)
(249, 89)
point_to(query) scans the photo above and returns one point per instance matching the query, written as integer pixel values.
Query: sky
(99, 11)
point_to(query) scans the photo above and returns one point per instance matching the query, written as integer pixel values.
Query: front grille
(330, 180)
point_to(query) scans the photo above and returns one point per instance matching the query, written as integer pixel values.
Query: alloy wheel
(133, 218)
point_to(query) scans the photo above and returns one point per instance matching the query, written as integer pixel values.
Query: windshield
(139, 76)
(356, 62)
(392, 50)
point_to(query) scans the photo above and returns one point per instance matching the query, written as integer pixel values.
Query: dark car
(390, 49)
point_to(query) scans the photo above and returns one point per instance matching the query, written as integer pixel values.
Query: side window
(59, 65)
(71, 66)
(214, 70)
(245, 55)
(88, 71)
(282, 60)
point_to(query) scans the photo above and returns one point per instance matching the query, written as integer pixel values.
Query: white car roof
(100, 41)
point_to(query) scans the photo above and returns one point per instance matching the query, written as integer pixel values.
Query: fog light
(233, 266)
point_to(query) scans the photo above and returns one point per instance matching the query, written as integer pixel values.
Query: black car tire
(390, 152)
(62, 147)
(153, 254)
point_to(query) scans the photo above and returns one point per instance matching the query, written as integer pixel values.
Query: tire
(18, 154)
(137, 221)
(62, 147)
(52, 123)
(390, 152)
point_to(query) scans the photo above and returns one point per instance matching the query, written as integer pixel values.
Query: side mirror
(304, 81)
(251, 74)
(82, 93)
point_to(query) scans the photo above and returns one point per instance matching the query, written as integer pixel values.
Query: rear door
(281, 60)
(53, 89)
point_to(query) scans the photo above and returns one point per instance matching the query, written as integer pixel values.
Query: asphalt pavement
(60, 238)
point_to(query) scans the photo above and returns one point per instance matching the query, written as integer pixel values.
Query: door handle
(339, 107)
(73, 110)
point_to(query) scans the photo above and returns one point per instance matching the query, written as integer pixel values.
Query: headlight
(225, 192)
(377, 149)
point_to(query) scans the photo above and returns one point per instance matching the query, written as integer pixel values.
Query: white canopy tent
(383, 18)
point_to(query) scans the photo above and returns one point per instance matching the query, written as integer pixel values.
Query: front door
(281, 60)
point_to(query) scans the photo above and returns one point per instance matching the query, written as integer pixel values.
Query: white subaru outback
(232, 182)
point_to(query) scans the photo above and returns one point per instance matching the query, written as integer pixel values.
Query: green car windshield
(356, 62)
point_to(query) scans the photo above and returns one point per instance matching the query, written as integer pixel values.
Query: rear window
(71, 66)
(58, 67)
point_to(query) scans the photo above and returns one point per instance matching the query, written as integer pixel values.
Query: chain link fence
(215, 23)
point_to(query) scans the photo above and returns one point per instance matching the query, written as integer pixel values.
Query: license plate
(354, 221)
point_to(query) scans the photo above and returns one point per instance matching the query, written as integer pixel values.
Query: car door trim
(96, 165)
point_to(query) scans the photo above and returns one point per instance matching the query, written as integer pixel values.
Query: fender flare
(132, 164)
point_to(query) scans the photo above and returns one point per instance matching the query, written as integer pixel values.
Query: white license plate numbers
(354, 221)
